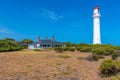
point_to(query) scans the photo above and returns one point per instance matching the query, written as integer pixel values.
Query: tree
(27, 41)
(9, 45)
(9, 39)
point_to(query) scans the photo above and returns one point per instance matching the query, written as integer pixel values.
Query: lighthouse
(96, 26)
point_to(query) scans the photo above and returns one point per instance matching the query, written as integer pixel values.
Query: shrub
(8, 45)
(66, 49)
(109, 51)
(99, 51)
(64, 56)
(72, 49)
(96, 56)
(90, 58)
(80, 58)
(77, 48)
(36, 49)
(110, 67)
(58, 49)
(115, 54)
(116, 77)
(85, 49)
(116, 47)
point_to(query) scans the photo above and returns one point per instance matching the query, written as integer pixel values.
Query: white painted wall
(31, 47)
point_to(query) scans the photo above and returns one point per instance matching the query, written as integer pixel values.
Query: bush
(72, 49)
(110, 67)
(80, 58)
(116, 47)
(66, 49)
(58, 49)
(115, 54)
(8, 45)
(109, 51)
(64, 56)
(90, 58)
(96, 56)
(77, 48)
(116, 77)
(85, 49)
(37, 50)
(99, 51)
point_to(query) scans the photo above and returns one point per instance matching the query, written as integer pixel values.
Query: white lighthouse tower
(96, 23)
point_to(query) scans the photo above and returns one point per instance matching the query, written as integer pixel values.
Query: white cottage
(42, 44)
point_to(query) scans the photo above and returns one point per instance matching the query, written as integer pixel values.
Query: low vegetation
(80, 58)
(115, 54)
(99, 51)
(63, 56)
(60, 49)
(37, 50)
(9, 45)
(110, 67)
(116, 77)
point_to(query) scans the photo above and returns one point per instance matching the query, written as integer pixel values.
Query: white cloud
(49, 14)
(46, 14)
(5, 31)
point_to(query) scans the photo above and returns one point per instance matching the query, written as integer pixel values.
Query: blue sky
(67, 20)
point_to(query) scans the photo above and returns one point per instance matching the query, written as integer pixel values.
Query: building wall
(32, 46)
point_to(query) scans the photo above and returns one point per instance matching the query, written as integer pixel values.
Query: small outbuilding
(48, 43)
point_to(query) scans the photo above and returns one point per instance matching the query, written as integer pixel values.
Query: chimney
(38, 38)
(46, 38)
(52, 38)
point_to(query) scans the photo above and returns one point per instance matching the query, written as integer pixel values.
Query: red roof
(96, 7)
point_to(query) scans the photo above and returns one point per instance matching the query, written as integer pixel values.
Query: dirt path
(48, 65)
